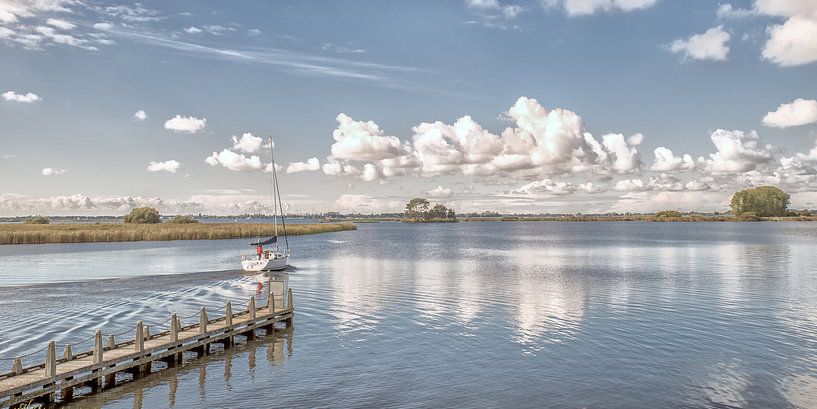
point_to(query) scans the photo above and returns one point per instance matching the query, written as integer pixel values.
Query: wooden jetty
(57, 378)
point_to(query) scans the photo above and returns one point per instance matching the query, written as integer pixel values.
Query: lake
(527, 314)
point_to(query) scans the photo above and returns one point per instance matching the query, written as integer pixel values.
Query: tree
(451, 214)
(417, 208)
(438, 212)
(763, 201)
(668, 214)
(143, 215)
(37, 220)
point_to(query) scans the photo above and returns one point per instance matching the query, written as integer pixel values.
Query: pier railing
(99, 367)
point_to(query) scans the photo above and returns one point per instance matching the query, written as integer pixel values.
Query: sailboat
(270, 259)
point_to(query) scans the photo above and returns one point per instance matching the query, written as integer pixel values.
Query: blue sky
(524, 106)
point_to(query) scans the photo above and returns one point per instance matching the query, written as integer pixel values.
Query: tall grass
(96, 233)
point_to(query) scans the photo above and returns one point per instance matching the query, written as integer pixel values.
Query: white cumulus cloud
(799, 112)
(312, 164)
(666, 161)
(540, 142)
(140, 115)
(711, 45)
(248, 143)
(363, 141)
(53, 172)
(28, 97)
(235, 161)
(794, 42)
(737, 152)
(545, 186)
(625, 158)
(587, 7)
(170, 166)
(187, 124)
(811, 155)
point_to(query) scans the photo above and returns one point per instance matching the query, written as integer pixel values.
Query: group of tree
(143, 215)
(668, 214)
(37, 220)
(763, 201)
(149, 215)
(420, 209)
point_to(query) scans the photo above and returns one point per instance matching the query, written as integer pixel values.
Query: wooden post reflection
(174, 385)
(228, 366)
(138, 397)
(202, 379)
(251, 357)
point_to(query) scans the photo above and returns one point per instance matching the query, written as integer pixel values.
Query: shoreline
(11, 234)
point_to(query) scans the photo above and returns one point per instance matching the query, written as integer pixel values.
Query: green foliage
(763, 201)
(143, 215)
(419, 209)
(748, 217)
(183, 220)
(37, 220)
(667, 214)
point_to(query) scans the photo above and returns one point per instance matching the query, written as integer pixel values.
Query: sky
(547, 106)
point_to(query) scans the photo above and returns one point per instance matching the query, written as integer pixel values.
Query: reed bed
(102, 233)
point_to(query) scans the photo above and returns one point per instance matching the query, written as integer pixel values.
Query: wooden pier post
(270, 328)
(270, 298)
(228, 322)
(205, 348)
(68, 392)
(110, 375)
(51, 360)
(138, 346)
(139, 339)
(203, 321)
(98, 346)
(17, 366)
(289, 298)
(174, 359)
(251, 310)
(174, 329)
(50, 369)
(147, 332)
(289, 321)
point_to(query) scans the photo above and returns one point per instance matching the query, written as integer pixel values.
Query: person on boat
(260, 250)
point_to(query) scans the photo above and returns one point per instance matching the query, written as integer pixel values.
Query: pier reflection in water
(262, 353)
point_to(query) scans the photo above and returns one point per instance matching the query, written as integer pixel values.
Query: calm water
(600, 315)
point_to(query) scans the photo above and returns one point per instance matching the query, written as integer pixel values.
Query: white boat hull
(273, 263)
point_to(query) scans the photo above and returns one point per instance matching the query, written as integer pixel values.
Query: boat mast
(280, 203)
(274, 185)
